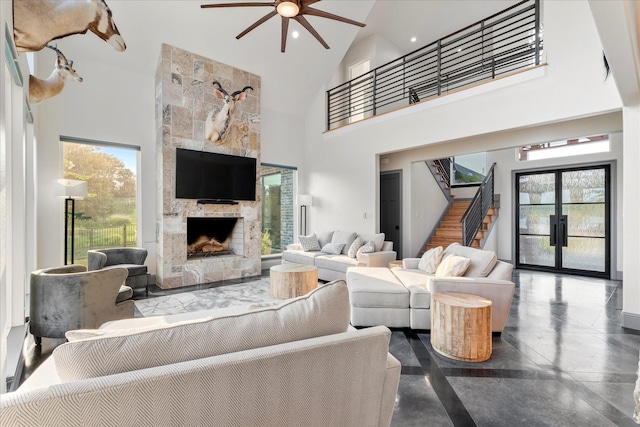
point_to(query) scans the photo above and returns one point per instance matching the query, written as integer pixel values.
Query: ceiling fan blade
(247, 4)
(285, 30)
(257, 23)
(301, 19)
(323, 14)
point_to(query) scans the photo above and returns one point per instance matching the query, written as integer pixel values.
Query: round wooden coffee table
(292, 280)
(461, 326)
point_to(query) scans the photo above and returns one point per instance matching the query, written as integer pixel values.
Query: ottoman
(377, 297)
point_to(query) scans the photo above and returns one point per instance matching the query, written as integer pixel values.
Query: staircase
(450, 228)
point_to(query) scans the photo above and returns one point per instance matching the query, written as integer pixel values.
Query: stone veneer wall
(184, 97)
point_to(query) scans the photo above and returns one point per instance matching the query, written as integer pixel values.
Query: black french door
(562, 220)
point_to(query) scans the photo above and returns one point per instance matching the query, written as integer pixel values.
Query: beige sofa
(334, 266)
(401, 296)
(298, 363)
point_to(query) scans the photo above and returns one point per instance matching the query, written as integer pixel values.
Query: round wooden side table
(461, 326)
(396, 263)
(292, 280)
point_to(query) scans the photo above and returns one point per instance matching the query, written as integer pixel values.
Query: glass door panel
(563, 220)
(584, 204)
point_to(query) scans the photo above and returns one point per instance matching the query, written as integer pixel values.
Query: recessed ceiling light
(295, 34)
(413, 39)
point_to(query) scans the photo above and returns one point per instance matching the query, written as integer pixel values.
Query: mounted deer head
(215, 127)
(39, 89)
(37, 22)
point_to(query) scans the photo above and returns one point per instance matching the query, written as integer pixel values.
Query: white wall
(344, 172)
(121, 112)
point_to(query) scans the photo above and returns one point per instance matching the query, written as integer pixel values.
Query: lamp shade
(305, 200)
(71, 188)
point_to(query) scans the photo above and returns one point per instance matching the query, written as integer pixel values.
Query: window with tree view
(106, 218)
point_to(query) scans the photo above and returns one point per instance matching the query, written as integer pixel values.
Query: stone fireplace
(203, 242)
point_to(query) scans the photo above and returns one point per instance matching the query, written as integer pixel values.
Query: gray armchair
(131, 258)
(70, 297)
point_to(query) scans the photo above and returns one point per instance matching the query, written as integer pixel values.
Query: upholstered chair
(70, 297)
(131, 258)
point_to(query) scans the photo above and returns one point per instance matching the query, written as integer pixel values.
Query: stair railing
(444, 168)
(473, 217)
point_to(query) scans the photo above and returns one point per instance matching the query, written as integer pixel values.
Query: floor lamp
(70, 190)
(304, 200)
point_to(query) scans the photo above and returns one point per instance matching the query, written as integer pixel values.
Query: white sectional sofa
(401, 296)
(332, 266)
(298, 363)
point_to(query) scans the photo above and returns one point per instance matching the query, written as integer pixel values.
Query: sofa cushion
(324, 237)
(323, 311)
(453, 265)
(343, 237)
(377, 239)
(309, 243)
(376, 287)
(335, 262)
(300, 257)
(482, 262)
(411, 277)
(419, 297)
(367, 248)
(353, 249)
(430, 260)
(333, 248)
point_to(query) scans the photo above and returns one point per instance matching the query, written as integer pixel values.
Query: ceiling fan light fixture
(288, 9)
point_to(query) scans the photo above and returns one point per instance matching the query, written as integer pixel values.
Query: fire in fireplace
(211, 236)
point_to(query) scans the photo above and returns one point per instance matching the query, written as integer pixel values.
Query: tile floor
(563, 360)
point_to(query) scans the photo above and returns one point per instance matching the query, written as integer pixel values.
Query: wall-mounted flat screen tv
(204, 175)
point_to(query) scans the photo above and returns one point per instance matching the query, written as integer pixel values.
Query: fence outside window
(102, 238)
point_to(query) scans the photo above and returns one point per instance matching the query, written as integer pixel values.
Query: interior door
(563, 220)
(390, 185)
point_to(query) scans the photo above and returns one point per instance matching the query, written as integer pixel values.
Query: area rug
(240, 294)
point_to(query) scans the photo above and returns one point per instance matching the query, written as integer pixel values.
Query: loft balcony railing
(503, 43)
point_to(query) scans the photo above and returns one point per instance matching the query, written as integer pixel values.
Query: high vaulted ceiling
(288, 79)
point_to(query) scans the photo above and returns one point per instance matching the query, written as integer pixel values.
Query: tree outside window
(107, 217)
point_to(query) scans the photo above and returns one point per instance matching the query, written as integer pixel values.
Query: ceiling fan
(288, 9)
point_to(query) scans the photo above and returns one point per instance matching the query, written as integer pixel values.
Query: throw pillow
(367, 248)
(353, 249)
(453, 265)
(333, 248)
(323, 311)
(343, 237)
(377, 239)
(430, 260)
(309, 243)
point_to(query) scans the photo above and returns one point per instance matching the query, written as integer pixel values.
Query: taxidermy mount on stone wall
(216, 125)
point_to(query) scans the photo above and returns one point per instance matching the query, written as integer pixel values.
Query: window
(107, 216)
(570, 147)
(276, 183)
(468, 169)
